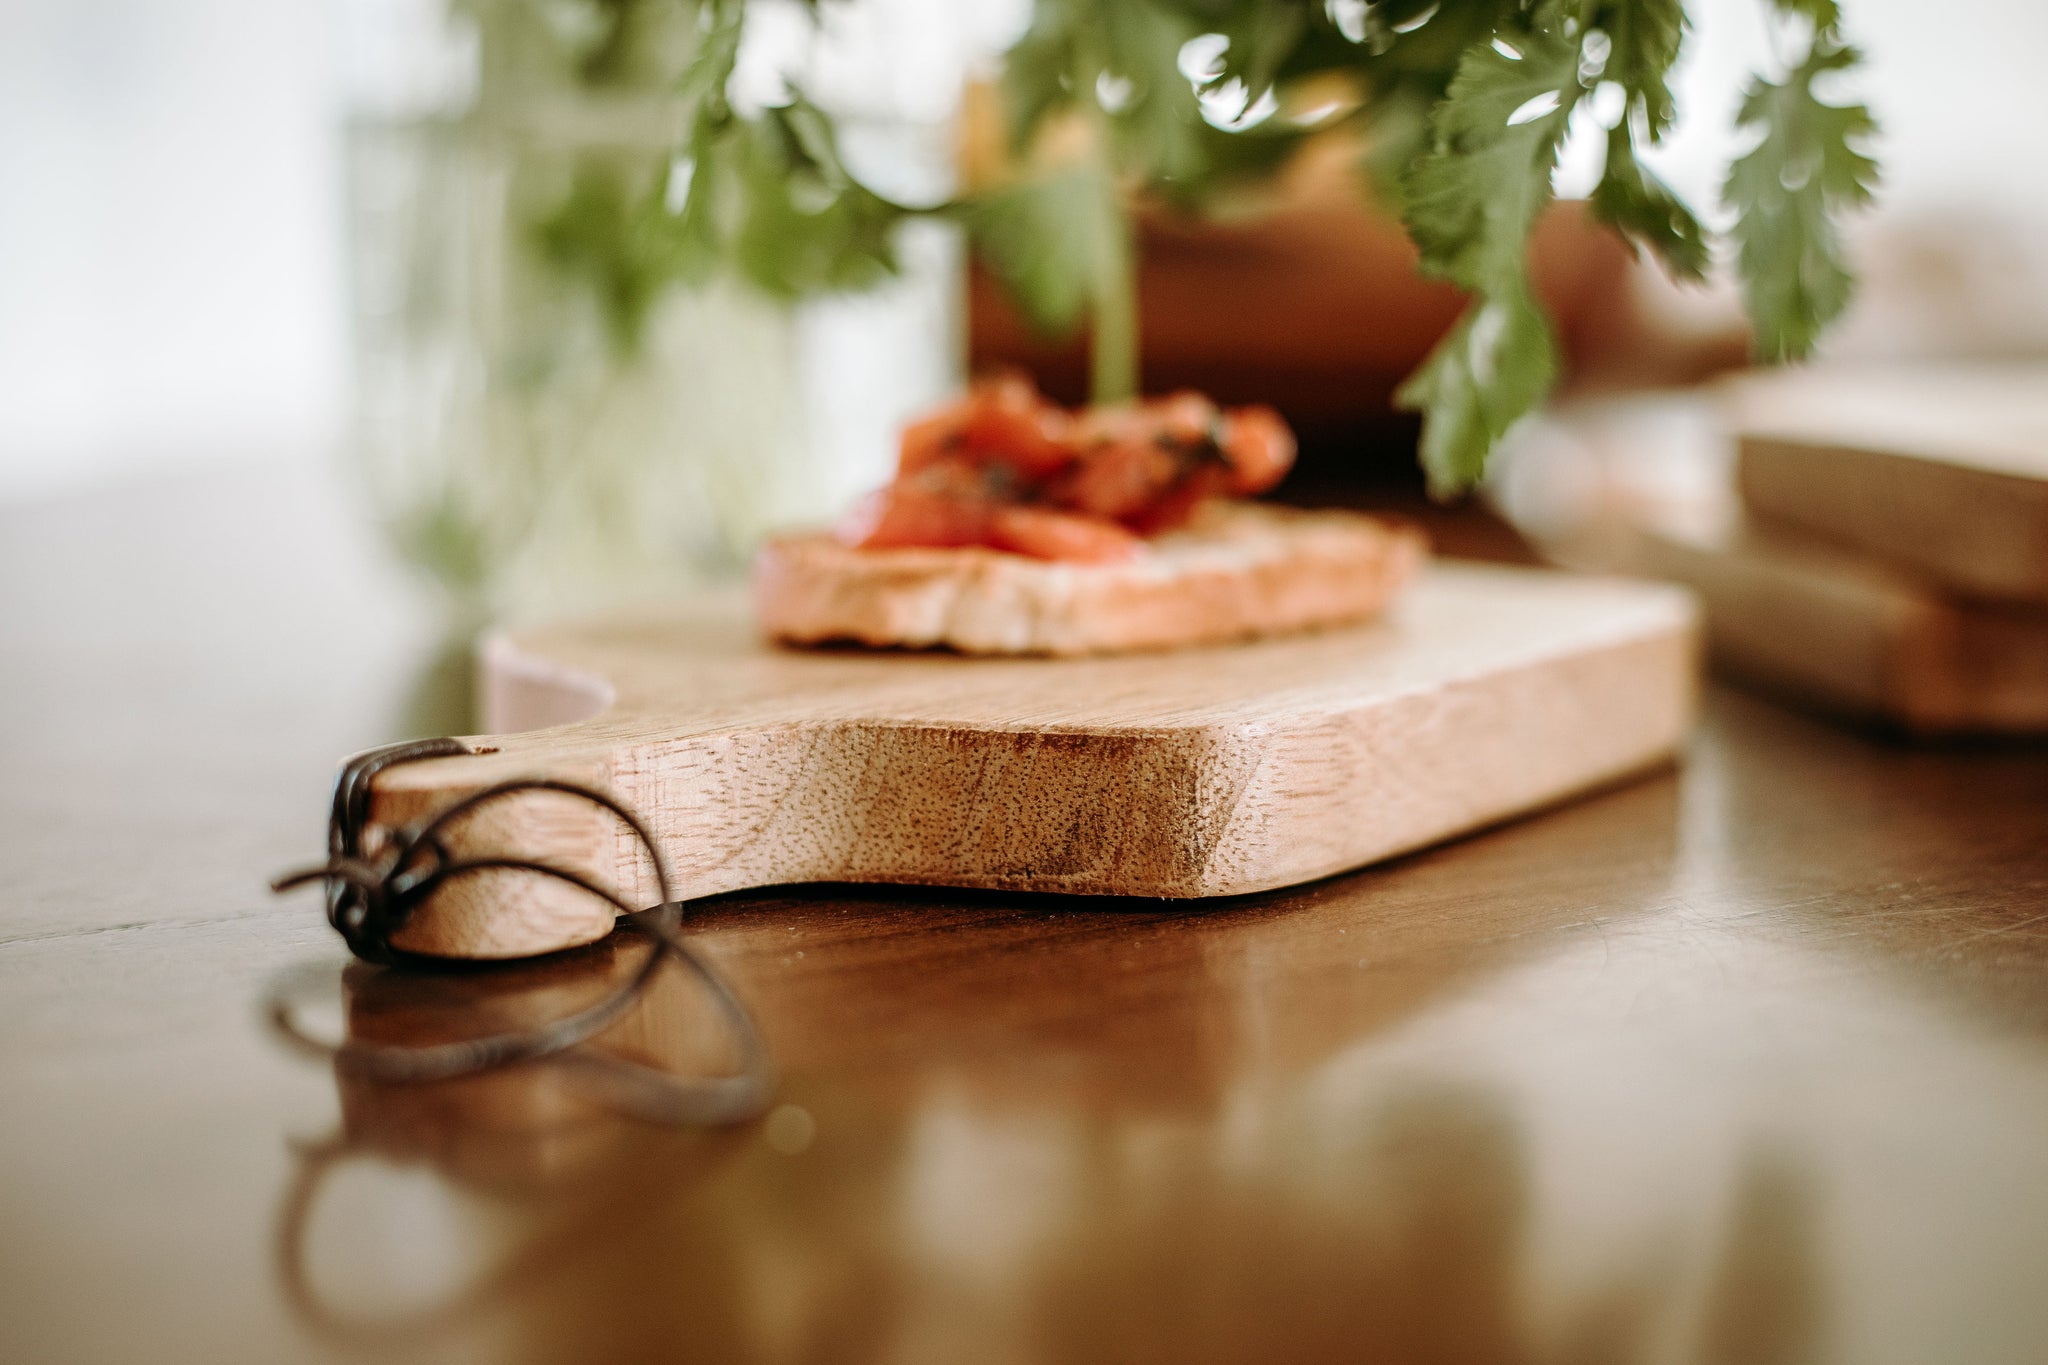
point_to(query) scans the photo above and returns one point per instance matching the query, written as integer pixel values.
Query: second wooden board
(1943, 471)
(1855, 635)
(1209, 772)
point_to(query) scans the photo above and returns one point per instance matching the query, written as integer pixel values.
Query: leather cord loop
(373, 892)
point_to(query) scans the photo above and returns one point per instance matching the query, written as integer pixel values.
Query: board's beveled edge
(1638, 698)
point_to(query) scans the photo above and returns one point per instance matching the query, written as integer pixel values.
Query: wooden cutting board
(1941, 470)
(1856, 635)
(1210, 772)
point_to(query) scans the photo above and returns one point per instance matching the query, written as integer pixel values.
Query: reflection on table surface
(1741, 1062)
(1612, 1095)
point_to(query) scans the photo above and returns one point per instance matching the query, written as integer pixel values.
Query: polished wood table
(1745, 1061)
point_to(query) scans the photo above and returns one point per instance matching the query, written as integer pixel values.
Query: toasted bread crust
(1238, 569)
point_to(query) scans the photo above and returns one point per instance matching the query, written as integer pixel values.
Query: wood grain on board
(1943, 471)
(1209, 772)
(1856, 635)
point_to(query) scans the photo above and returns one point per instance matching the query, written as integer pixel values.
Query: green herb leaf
(1825, 14)
(1262, 35)
(1646, 36)
(609, 234)
(1785, 191)
(1472, 200)
(1037, 74)
(1052, 241)
(1471, 203)
(806, 224)
(709, 71)
(1429, 40)
(1495, 366)
(1154, 115)
(1644, 210)
(770, 196)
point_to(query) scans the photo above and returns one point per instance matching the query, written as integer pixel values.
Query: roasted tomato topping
(1005, 469)
(1006, 421)
(1045, 533)
(1258, 447)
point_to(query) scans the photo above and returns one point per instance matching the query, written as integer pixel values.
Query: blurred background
(173, 274)
(392, 254)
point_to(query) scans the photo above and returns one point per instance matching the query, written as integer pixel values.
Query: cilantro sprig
(1471, 202)
(1806, 168)
(1464, 106)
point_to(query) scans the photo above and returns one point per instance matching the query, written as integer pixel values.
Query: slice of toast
(1236, 570)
